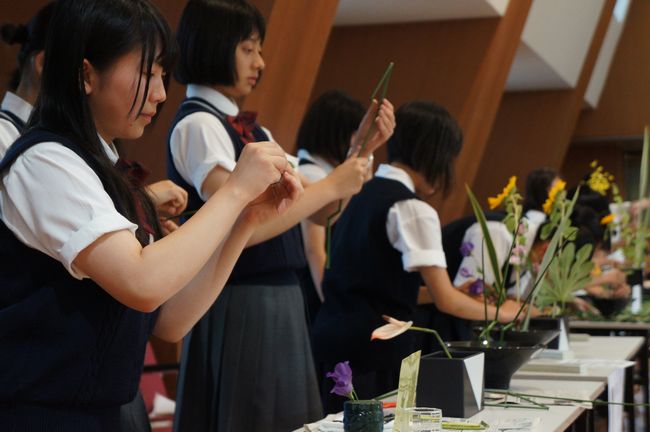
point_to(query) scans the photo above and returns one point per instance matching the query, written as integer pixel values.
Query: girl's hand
(348, 178)
(384, 119)
(167, 226)
(260, 165)
(508, 311)
(275, 200)
(169, 198)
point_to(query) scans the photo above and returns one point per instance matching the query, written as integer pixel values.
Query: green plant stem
(512, 405)
(643, 184)
(591, 401)
(435, 333)
(383, 84)
(387, 395)
(485, 334)
(328, 234)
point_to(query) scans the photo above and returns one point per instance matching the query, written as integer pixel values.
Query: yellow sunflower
(557, 188)
(496, 201)
(606, 220)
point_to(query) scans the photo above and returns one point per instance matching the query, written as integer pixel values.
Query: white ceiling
(554, 42)
(357, 12)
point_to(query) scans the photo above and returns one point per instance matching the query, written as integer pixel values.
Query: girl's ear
(38, 63)
(89, 76)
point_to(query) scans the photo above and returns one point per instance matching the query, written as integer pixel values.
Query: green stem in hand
(383, 84)
(328, 234)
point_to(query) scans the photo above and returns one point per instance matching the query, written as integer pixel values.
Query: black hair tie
(14, 34)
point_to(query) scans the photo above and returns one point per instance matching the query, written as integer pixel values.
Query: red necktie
(244, 123)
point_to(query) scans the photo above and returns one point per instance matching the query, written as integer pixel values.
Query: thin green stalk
(328, 235)
(513, 405)
(591, 401)
(435, 333)
(387, 395)
(383, 83)
(485, 334)
(643, 185)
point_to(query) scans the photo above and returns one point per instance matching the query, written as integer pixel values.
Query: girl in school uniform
(385, 243)
(324, 140)
(18, 103)
(83, 284)
(247, 365)
(17, 106)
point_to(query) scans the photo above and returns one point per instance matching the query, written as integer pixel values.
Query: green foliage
(567, 274)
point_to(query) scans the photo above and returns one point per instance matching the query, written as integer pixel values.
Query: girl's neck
(230, 93)
(415, 178)
(27, 92)
(422, 188)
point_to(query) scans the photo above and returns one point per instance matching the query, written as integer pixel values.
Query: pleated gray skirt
(247, 365)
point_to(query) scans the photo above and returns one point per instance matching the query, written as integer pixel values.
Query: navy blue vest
(365, 281)
(13, 119)
(66, 344)
(271, 262)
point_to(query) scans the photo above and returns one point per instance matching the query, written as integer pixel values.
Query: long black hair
(427, 139)
(208, 34)
(328, 125)
(101, 32)
(31, 38)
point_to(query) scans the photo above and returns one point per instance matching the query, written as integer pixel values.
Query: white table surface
(557, 418)
(597, 347)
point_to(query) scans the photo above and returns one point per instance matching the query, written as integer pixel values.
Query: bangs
(157, 46)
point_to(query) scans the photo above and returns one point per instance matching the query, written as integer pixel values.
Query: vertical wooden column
(297, 34)
(482, 104)
(534, 129)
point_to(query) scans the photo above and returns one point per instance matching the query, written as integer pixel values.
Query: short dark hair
(208, 34)
(328, 125)
(426, 139)
(538, 183)
(31, 37)
(590, 231)
(587, 224)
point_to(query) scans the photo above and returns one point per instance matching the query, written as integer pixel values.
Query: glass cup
(421, 419)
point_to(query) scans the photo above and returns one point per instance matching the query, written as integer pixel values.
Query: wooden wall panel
(433, 60)
(534, 129)
(579, 157)
(624, 106)
(481, 106)
(461, 64)
(296, 39)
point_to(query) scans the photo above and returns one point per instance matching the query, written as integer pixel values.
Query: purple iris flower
(466, 248)
(465, 273)
(342, 377)
(476, 287)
